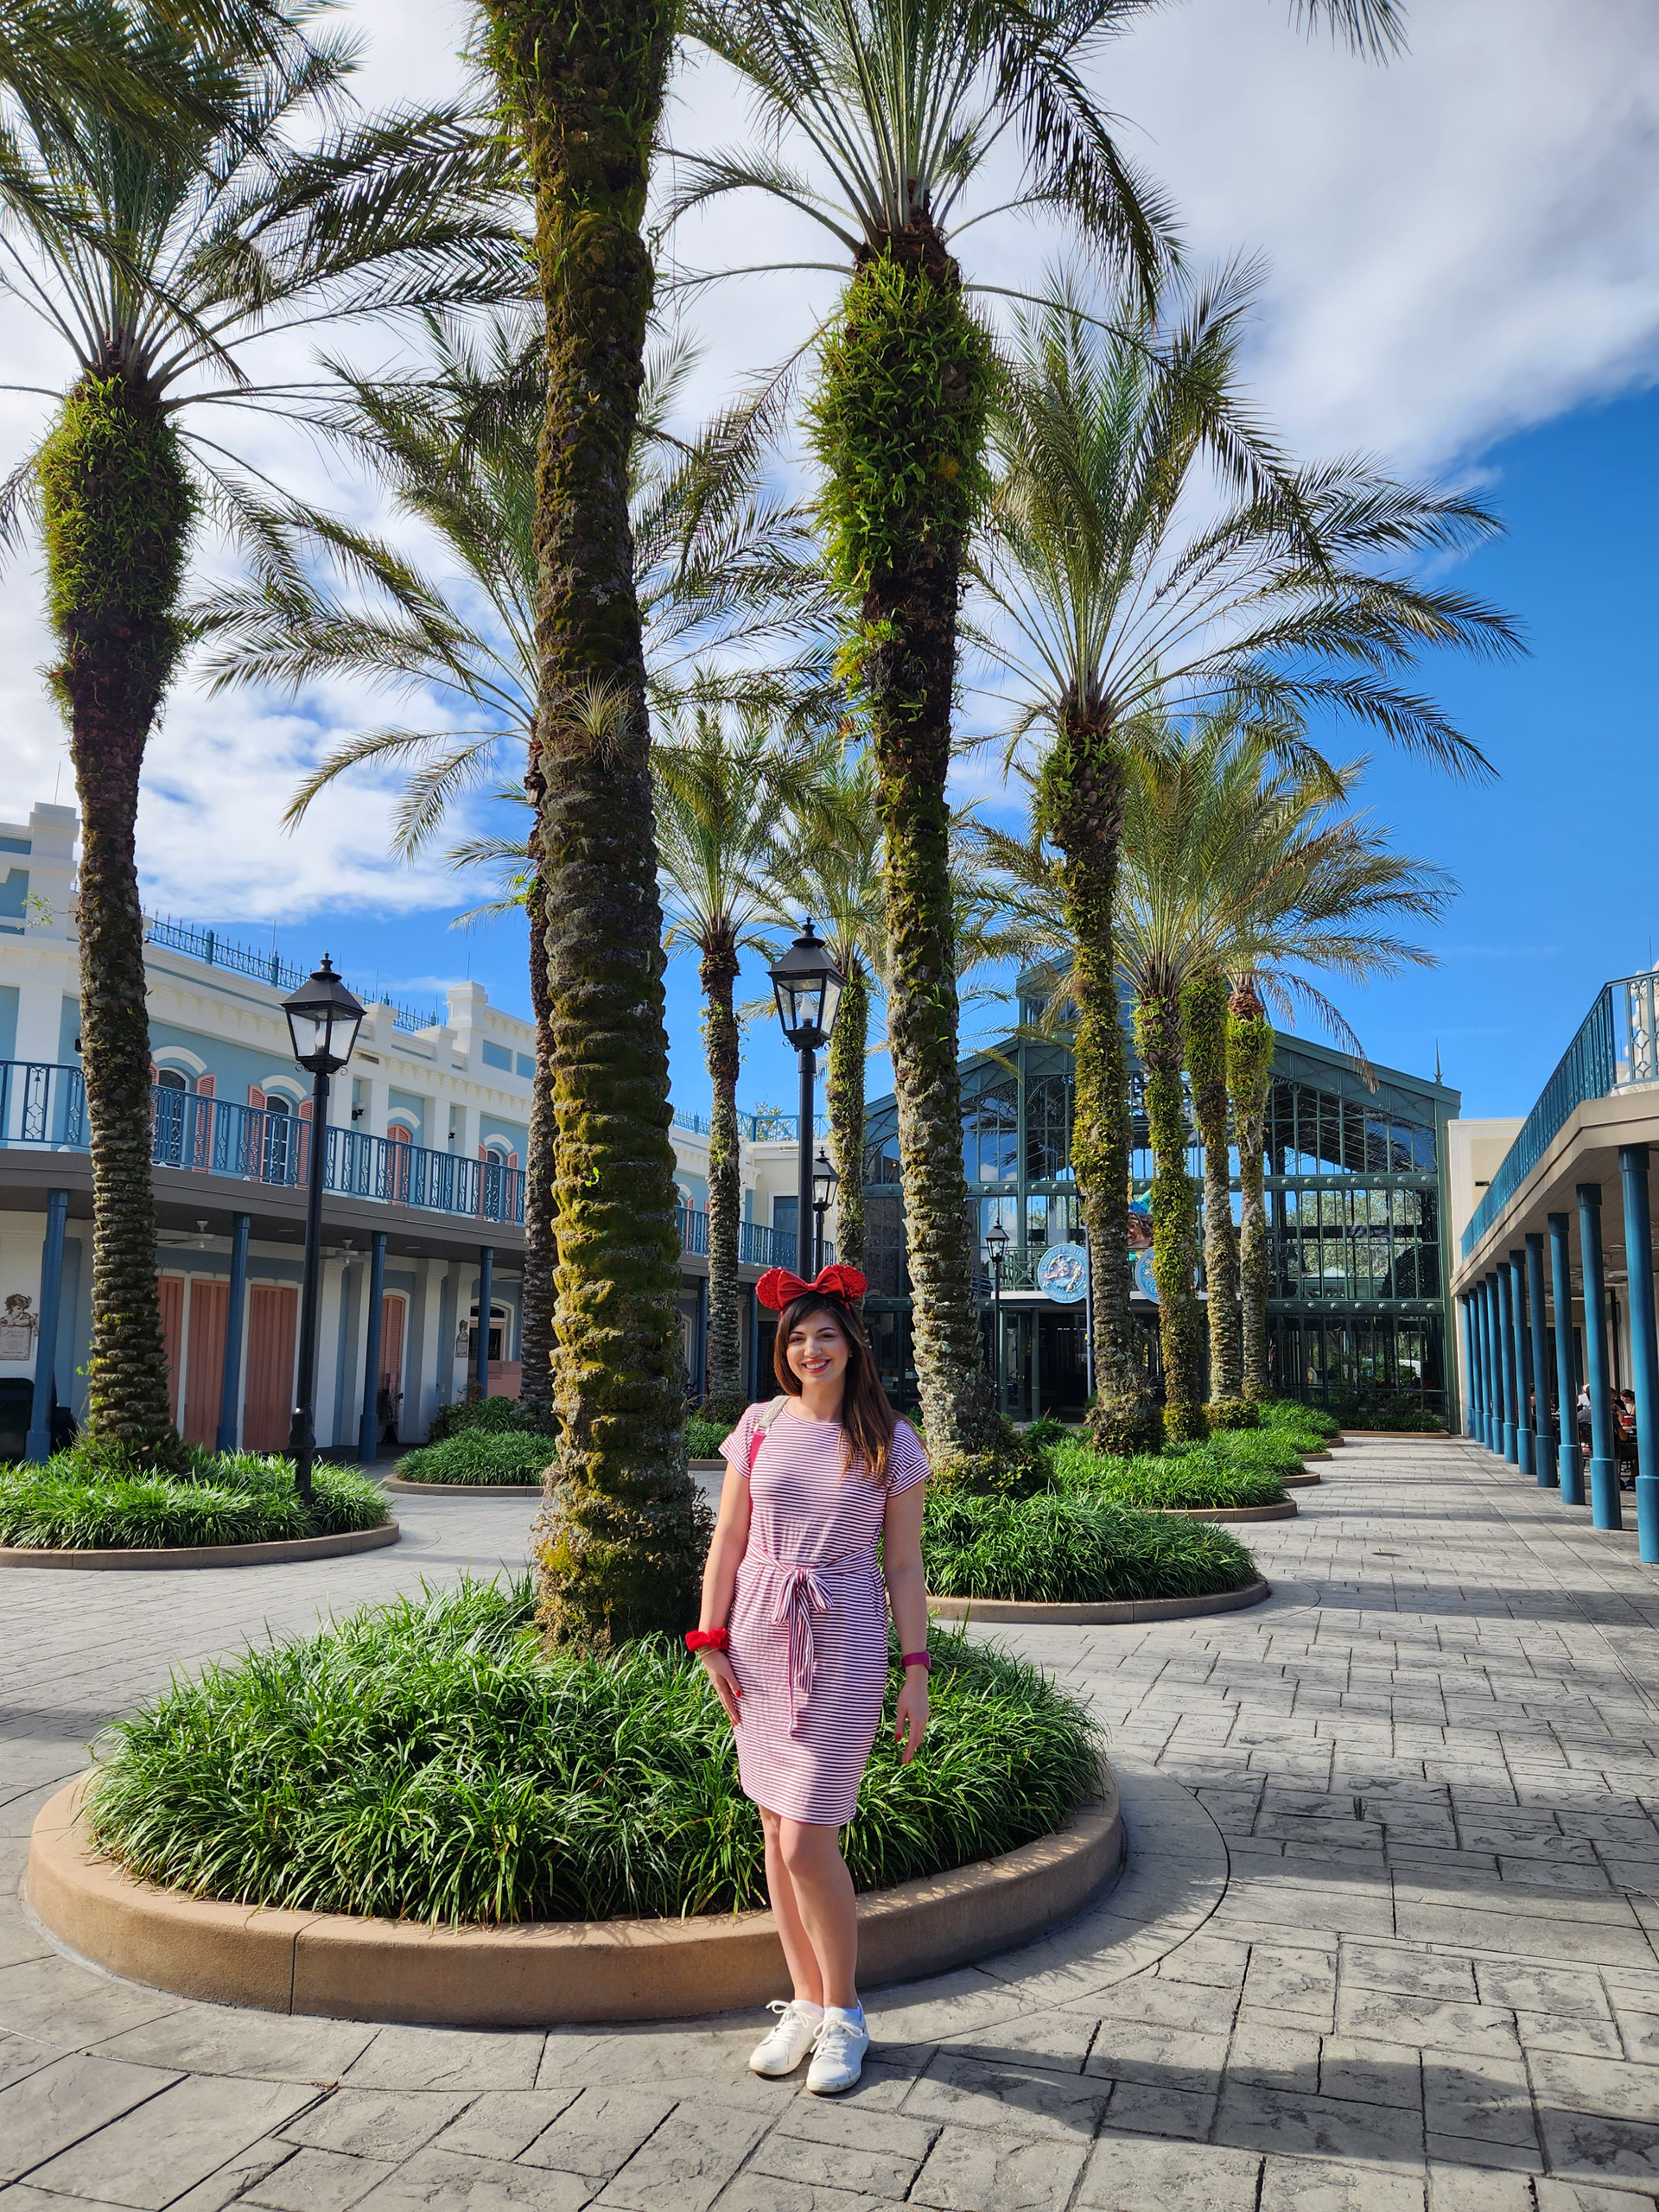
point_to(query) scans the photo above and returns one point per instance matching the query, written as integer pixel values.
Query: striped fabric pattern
(809, 1622)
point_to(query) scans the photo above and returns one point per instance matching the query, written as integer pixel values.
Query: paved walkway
(1388, 1940)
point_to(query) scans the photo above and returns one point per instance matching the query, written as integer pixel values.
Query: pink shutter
(206, 1086)
(255, 1099)
(201, 1129)
(483, 1169)
(305, 1139)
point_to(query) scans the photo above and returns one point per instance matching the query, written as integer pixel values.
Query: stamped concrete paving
(1387, 1940)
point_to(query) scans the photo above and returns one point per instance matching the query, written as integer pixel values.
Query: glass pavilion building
(1355, 1164)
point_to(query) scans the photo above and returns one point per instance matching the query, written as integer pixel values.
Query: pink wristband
(918, 1659)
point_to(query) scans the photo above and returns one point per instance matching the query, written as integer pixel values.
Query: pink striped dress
(808, 1624)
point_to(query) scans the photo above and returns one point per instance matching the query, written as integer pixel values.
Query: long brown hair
(867, 1419)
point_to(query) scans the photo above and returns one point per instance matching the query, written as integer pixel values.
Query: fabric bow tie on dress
(779, 1287)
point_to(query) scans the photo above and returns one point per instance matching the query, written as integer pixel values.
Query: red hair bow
(779, 1286)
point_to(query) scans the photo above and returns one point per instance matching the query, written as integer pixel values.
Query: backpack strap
(762, 1427)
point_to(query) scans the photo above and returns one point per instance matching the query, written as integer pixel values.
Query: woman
(794, 1636)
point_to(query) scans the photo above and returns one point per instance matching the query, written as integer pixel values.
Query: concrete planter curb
(991, 1612)
(1284, 1510)
(1398, 1435)
(1303, 1482)
(290, 1552)
(542, 1972)
(460, 1490)
(708, 1467)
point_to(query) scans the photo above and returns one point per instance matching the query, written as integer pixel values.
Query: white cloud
(1462, 243)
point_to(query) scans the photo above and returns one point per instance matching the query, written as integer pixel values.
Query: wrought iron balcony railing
(1616, 1049)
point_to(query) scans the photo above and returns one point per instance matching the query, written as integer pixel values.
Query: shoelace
(783, 2006)
(833, 2040)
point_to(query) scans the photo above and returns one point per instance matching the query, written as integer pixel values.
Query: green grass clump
(1291, 1414)
(704, 1438)
(496, 1416)
(429, 1760)
(1073, 1549)
(480, 1457)
(92, 1501)
(1199, 1475)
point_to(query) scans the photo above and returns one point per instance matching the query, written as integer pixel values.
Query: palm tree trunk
(726, 1396)
(844, 1096)
(119, 508)
(1174, 1227)
(1249, 1075)
(1203, 1016)
(619, 1544)
(899, 425)
(1082, 801)
(540, 1248)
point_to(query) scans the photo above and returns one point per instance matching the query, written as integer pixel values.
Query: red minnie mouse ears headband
(778, 1287)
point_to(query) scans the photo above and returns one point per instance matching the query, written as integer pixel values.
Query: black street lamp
(825, 1181)
(807, 986)
(996, 1247)
(323, 1020)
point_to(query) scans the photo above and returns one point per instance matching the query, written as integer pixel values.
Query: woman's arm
(901, 1552)
(730, 1541)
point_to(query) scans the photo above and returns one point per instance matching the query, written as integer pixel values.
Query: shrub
(703, 1437)
(427, 1759)
(496, 1416)
(1054, 1549)
(1048, 1429)
(1277, 1452)
(1200, 1475)
(481, 1458)
(1225, 1413)
(1397, 1412)
(1292, 1413)
(88, 1500)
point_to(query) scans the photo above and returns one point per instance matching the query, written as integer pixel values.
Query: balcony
(1616, 1049)
(43, 1108)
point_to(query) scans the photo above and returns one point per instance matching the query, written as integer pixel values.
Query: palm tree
(828, 863)
(720, 798)
(719, 564)
(895, 107)
(1114, 595)
(1205, 1000)
(172, 267)
(1250, 1083)
(1233, 864)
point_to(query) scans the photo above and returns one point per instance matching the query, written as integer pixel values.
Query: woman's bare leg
(798, 1953)
(822, 1904)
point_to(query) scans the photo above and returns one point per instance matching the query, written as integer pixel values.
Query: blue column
(1489, 1414)
(1523, 1458)
(1560, 1276)
(1644, 1344)
(486, 1288)
(1545, 1465)
(1507, 1354)
(1604, 1473)
(37, 1445)
(368, 1434)
(1472, 1378)
(1494, 1369)
(230, 1380)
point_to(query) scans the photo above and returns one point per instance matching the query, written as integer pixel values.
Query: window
(496, 1056)
(1048, 1129)
(989, 1130)
(526, 1066)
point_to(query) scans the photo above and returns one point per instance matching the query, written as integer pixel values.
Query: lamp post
(996, 1247)
(323, 1020)
(807, 986)
(825, 1182)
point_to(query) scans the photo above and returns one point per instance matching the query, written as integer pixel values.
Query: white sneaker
(782, 2051)
(838, 2051)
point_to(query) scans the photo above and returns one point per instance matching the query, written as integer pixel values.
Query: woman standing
(801, 1665)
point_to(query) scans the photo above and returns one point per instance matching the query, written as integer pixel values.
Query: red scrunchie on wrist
(707, 1639)
(924, 1659)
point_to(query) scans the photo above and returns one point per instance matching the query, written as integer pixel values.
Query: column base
(1647, 1517)
(1523, 1451)
(1603, 1494)
(37, 1446)
(1571, 1475)
(1508, 1443)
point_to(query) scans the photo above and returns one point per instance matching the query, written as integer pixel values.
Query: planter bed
(1396, 1435)
(540, 1974)
(286, 1551)
(991, 1612)
(1285, 1509)
(459, 1490)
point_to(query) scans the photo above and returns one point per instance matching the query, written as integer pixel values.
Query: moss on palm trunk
(844, 1096)
(1249, 1077)
(724, 1394)
(1082, 805)
(1174, 1229)
(899, 422)
(1203, 1019)
(540, 1248)
(118, 507)
(619, 1556)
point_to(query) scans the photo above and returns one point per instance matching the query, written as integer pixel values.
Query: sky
(1462, 256)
